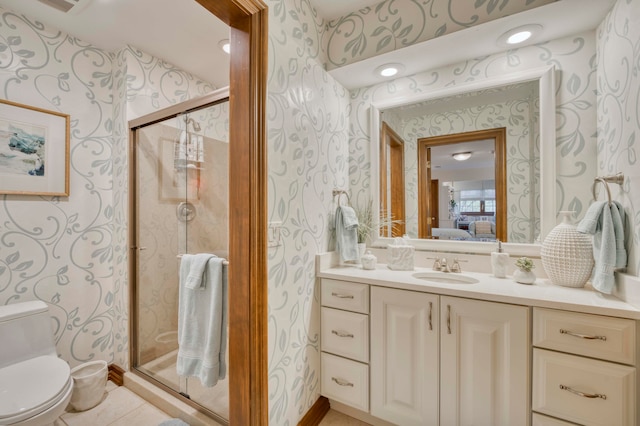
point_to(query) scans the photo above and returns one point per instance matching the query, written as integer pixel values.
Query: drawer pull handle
(448, 319)
(341, 334)
(586, 395)
(430, 312)
(582, 336)
(342, 296)
(341, 382)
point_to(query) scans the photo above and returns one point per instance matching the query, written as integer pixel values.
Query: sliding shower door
(181, 190)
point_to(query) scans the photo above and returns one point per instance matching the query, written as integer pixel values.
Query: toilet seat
(32, 386)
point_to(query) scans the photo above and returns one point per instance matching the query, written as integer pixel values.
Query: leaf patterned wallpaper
(619, 114)
(394, 24)
(72, 252)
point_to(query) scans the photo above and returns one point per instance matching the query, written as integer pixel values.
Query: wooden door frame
(390, 138)
(247, 313)
(500, 136)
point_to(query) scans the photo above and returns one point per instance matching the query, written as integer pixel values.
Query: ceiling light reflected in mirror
(461, 156)
(225, 45)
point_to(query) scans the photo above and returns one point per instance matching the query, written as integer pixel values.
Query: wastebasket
(89, 385)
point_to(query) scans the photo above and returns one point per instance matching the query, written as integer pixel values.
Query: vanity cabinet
(344, 342)
(404, 356)
(584, 368)
(484, 363)
(479, 350)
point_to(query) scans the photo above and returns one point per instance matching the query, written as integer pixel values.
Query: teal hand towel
(346, 224)
(606, 223)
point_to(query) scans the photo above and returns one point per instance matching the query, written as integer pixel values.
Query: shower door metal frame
(208, 100)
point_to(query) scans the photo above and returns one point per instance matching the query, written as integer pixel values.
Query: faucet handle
(455, 267)
(436, 263)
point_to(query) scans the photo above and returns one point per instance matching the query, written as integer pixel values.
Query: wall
(619, 114)
(308, 156)
(394, 24)
(575, 114)
(71, 251)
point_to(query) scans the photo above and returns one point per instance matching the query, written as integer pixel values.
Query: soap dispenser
(499, 261)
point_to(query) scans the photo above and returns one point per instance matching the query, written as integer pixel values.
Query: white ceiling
(181, 32)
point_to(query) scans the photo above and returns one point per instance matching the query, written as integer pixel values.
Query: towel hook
(339, 193)
(617, 178)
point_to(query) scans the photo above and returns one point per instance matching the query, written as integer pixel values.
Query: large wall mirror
(474, 159)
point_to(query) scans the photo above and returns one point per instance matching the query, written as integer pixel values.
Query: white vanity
(397, 349)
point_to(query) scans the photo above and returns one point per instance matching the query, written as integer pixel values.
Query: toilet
(35, 385)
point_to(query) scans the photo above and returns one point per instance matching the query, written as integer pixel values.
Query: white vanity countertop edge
(540, 294)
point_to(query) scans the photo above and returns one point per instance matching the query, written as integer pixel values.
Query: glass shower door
(181, 207)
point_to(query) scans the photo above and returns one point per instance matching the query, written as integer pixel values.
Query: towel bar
(338, 193)
(226, 262)
(617, 178)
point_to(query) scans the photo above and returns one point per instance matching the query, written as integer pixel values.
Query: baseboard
(316, 413)
(116, 374)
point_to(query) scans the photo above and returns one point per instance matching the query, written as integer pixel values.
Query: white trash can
(89, 385)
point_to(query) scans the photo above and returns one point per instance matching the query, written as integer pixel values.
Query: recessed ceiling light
(224, 45)
(389, 70)
(461, 156)
(519, 35)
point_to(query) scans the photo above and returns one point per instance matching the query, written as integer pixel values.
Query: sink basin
(445, 278)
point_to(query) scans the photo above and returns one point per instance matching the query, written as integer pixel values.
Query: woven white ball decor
(567, 255)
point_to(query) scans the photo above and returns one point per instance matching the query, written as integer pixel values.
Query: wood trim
(389, 138)
(116, 374)
(500, 137)
(248, 372)
(316, 413)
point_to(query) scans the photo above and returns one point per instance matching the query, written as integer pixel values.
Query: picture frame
(177, 183)
(34, 150)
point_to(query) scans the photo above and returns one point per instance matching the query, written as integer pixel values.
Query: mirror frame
(547, 124)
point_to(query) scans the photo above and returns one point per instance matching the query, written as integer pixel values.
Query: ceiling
(183, 33)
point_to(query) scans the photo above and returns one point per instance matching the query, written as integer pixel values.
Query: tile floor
(122, 407)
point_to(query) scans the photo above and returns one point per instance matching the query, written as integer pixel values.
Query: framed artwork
(34, 150)
(179, 180)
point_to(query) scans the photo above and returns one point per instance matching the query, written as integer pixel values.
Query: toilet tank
(25, 332)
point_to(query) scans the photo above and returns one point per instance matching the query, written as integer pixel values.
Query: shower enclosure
(179, 200)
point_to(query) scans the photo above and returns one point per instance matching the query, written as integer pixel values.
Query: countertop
(540, 294)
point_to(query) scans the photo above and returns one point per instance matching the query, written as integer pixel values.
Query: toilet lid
(30, 387)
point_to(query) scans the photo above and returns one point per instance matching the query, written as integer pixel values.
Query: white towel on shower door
(202, 321)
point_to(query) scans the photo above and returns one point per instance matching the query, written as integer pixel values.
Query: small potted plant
(524, 274)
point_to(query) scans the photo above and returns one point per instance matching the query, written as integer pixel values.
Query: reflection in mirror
(514, 108)
(461, 186)
(392, 188)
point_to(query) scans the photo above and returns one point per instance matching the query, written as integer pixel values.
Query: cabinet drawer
(608, 390)
(540, 420)
(345, 333)
(345, 381)
(596, 336)
(345, 295)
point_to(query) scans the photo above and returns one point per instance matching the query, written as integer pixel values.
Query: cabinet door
(484, 363)
(404, 356)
